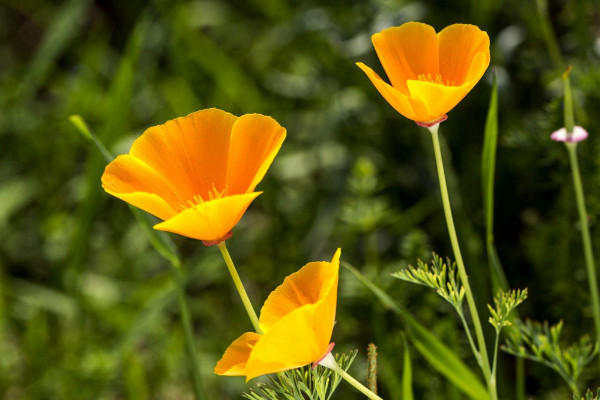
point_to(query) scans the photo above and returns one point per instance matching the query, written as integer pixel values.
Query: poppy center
(213, 194)
(437, 79)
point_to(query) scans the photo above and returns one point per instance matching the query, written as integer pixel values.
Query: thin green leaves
(505, 303)
(302, 383)
(541, 343)
(488, 169)
(430, 347)
(407, 391)
(441, 277)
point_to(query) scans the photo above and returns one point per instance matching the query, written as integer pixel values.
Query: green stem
(585, 234)
(239, 286)
(485, 364)
(470, 337)
(520, 378)
(329, 362)
(495, 361)
(190, 345)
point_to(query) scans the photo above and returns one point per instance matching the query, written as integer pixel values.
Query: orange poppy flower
(297, 323)
(430, 73)
(197, 173)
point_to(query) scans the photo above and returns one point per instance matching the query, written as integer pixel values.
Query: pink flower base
(329, 348)
(428, 124)
(577, 135)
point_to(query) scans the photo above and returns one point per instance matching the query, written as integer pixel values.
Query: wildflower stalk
(190, 345)
(482, 356)
(329, 362)
(239, 286)
(569, 118)
(585, 234)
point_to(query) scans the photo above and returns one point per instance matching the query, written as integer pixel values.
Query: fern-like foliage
(541, 343)
(588, 396)
(440, 276)
(303, 383)
(505, 303)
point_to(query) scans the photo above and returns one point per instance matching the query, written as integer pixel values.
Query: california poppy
(429, 73)
(197, 173)
(297, 323)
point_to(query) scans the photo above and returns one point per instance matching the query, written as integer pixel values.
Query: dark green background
(87, 309)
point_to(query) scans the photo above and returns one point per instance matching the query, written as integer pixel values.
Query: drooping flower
(297, 323)
(197, 173)
(429, 73)
(579, 134)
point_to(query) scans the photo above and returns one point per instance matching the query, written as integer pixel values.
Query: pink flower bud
(577, 135)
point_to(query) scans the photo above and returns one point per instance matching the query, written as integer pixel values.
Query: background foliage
(87, 308)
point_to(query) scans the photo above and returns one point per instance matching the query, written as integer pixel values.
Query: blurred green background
(87, 307)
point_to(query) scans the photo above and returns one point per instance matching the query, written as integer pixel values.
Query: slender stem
(190, 345)
(329, 362)
(585, 234)
(240, 287)
(495, 362)
(520, 378)
(470, 337)
(485, 364)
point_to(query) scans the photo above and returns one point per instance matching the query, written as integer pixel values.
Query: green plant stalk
(239, 286)
(548, 33)
(329, 362)
(165, 248)
(485, 364)
(190, 345)
(585, 234)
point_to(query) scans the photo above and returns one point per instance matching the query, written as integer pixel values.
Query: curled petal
(191, 152)
(134, 181)
(233, 362)
(211, 220)
(255, 140)
(396, 48)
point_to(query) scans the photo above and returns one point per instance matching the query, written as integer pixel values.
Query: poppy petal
(211, 220)
(307, 286)
(255, 141)
(233, 362)
(413, 109)
(133, 181)
(439, 98)
(190, 151)
(407, 51)
(459, 44)
(302, 335)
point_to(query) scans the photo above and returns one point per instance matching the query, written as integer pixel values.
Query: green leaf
(407, 391)
(488, 169)
(430, 347)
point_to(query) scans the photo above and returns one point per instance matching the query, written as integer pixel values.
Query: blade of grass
(60, 33)
(488, 169)
(116, 117)
(164, 247)
(407, 390)
(437, 353)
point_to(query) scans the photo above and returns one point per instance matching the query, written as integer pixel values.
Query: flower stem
(485, 364)
(329, 362)
(585, 234)
(239, 286)
(190, 345)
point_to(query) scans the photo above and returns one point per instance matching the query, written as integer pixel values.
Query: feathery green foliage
(305, 383)
(540, 342)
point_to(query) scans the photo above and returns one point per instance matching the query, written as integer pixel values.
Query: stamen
(212, 194)
(437, 79)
